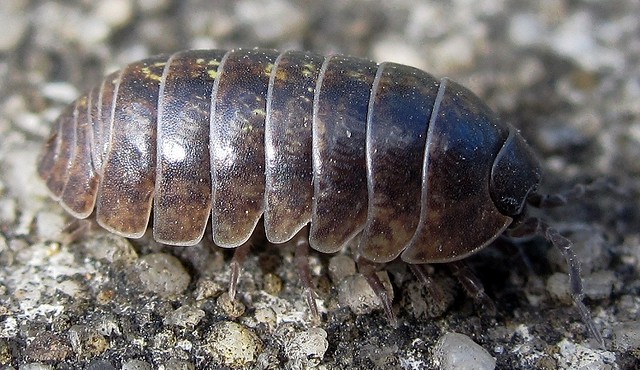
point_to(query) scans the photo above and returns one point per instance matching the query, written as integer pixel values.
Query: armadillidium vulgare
(417, 168)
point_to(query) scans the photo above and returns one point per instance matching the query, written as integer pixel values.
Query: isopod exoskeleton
(418, 168)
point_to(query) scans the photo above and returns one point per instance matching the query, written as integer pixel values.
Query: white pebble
(355, 292)
(307, 348)
(279, 19)
(136, 365)
(233, 344)
(627, 336)
(162, 274)
(112, 248)
(115, 13)
(49, 225)
(525, 29)
(341, 266)
(36, 366)
(558, 287)
(599, 285)
(14, 23)
(62, 92)
(456, 351)
(8, 211)
(185, 316)
(393, 48)
(576, 356)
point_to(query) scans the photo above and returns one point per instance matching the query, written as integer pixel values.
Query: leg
(239, 255)
(75, 230)
(302, 264)
(368, 270)
(472, 285)
(420, 272)
(534, 226)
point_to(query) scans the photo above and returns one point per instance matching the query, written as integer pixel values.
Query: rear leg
(472, 285)
(369, 271)
(239, 256)
(535, 226)
(421, 273)
(301, 259)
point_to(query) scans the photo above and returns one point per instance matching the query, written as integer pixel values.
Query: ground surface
(567, 73)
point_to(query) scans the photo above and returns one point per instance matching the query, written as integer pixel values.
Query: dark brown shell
(413, 166)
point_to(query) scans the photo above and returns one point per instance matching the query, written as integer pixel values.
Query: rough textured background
(567, 73)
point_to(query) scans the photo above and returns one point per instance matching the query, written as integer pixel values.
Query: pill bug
(417, 168)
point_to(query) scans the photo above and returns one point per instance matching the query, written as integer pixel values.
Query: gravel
(566, 73)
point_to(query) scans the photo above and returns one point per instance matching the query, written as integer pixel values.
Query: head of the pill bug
(515, 174)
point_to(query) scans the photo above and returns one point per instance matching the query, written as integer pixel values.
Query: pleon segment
(126, 189)
(182, 199)
(288, 143)
(81, 189)
(238, 111)
(458, 215)
(401, 102)
(339, 135)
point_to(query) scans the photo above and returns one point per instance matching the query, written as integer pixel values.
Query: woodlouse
(418, 168)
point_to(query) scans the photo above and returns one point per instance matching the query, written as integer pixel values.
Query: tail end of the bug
(535, 226)
(49, 156)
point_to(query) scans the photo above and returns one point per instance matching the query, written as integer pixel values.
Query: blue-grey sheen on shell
(412, 166)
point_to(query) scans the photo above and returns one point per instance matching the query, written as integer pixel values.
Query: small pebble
(233, 308)
(48, 346)
(233, 344)
(115, 13)
(35, 366)
(525, 29)
(576, 356)
(274, 22)
(456, 351)
(395, 48)
(355, 292)
(62, 92)
(599, 285)
(206, 288)
(100, 365)
(174, 364)
(307, 349)
(341, 266)
(112, 248)
(267, 316)
(162, 274)
(86, 341)
(558, 287)
(272, 284)
(14, 21)
(627, 335)
(8, 211)
(136, 365)
(49, 225)
(185, 316)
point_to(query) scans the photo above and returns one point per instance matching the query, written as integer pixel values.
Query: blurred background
(566, 73)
